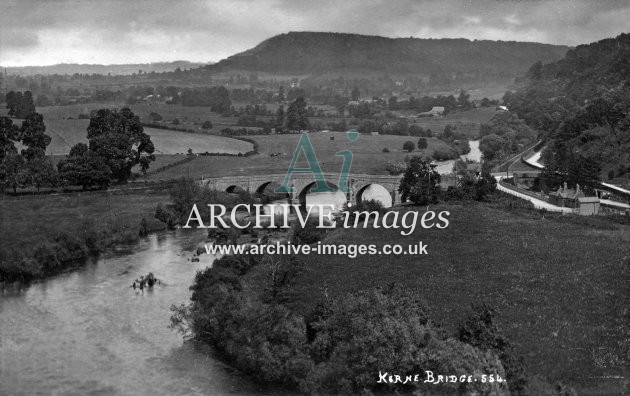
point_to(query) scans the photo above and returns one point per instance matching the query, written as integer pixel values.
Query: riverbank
(87, 332)
(42, 235)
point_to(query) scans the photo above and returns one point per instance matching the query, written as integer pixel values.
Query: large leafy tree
(39, 172)
(119, 139)
(20, 105)
(34, 137)
(84, 168)
(12, 171)
(296, 115)
(31, 167)
(420, 182)
(9, 134)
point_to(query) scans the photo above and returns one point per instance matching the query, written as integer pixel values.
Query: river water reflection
(88, 332)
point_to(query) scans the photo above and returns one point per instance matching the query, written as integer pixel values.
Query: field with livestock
(66, 130)
(370, 153)
(276, 152)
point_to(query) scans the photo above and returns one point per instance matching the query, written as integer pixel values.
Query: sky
(45, 32)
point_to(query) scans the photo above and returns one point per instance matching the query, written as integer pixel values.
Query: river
(87, 332)
(446, 167)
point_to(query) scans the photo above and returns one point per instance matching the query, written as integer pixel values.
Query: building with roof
(588, 206)
(576, 199)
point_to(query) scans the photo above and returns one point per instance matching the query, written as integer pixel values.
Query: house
(436, 111)
(575, 198)
(588, 206)
(566, 197)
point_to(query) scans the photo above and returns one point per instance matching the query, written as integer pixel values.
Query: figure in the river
(148, 280)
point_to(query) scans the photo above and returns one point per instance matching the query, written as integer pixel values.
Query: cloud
(117, 31)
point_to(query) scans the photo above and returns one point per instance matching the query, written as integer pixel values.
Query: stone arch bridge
(303, 182)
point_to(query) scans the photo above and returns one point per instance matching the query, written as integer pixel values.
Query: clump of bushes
(339, 347)
(395, 167)
(155, 117)
(444, 154)
(63, 250)
(185, 193)
(308, 234)
(409, 146)
(472, 188)
(166, 216)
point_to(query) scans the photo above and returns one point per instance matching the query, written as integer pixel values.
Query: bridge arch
(376, 192)
(336, 197)
(234, 189)
(266, 192)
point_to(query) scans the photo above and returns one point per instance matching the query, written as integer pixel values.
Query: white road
(623, 190)
(533, 160)
(614, 203)
(538, 203)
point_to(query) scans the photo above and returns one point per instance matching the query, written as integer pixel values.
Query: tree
(280, 116)
(395, 167)
(481, 331)
(13, 102)
(43, 100)
(34, 137)
(119, 139)
(281, 94)
(409, 146)
(393, 103)
(296, 115)
(27, 106)
(155, 117)
(9, 134)
(463, 99)
(20, 105)
(40, 172)
(583, 171)
(355, 93)
(420, 182)
(12, 171)
(207, 125)
(422, 143)
(83, 167)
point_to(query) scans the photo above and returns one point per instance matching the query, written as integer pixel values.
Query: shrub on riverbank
(186, 193)
(340, 347)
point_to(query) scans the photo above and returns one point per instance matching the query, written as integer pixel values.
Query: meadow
(559, 283)
(66, 132)
(42, 235)
(466, 122)
(31, 219)
(368, 155)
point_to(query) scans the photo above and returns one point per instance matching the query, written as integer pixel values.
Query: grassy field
(30, 219)
(561, 284)
(467, 122)
(368, 156)
(67, 132)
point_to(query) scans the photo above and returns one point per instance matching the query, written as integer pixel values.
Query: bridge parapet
(253, 183)
(299, 181)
